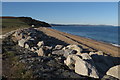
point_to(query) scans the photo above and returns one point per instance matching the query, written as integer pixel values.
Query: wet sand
(86, 43)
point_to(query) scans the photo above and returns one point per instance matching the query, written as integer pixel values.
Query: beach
(86, 43)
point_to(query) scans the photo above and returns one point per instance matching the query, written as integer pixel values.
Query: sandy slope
(86, 43)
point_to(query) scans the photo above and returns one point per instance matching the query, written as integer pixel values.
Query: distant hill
(22, 21)
(77, 25)
(30, 21)
(11, 23)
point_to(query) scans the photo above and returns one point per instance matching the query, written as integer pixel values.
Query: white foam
(115, 45)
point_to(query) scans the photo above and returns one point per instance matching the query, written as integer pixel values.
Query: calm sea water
(107, 34)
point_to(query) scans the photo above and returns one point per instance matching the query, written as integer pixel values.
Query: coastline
(52, 49)
(99, 34)
(114, 44)
(82, 41)
(86, 43)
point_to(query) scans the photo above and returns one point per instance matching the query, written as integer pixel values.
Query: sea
(108, 34)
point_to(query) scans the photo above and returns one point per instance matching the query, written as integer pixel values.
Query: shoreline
(49, 50)
(114, 43)
(85, 42)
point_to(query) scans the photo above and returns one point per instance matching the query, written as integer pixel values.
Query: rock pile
(93, 64)
(30, 39)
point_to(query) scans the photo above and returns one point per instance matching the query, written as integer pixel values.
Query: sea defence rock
(27, 46)
(22, 42)
(40, 43)
(58, 47)
(98, 53)
(68, 52)
(86, 56)
(58, 52)
(93, 64)
(34, 49)
(64, 53)
(40, 52)
(81, 66)
(29, 39)
(92, 53)
(74, 47)
(114, 71)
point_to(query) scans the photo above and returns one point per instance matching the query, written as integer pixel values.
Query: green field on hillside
(12, 23)
(9, 24)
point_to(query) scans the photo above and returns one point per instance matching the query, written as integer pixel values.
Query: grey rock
(34, 49)
(22, 42)
(40, 52)
(67, 52)
(92, 53)
(58, 52)
(27, 46)
(86, 56)
(74, 47)
(58, 47)
(48, 47)
(82, 67)
(114, 71)
(99, 53)
(107, 77)
(40, 43)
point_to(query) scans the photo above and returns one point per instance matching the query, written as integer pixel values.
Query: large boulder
(68, 52)
(27, 46)
(31, 42)
(48, 47)
(22, 42)
(22, 35)
(92, 53)
(58, 47)
(114, 71)
(58, 52)
(70, 62)
(81, 66)
(74, 47)
(64, 53)
(99, 53)
(28, 38)
(16, 36)
(34, 49)
(40, 52)
(86, 56)
(40, 43)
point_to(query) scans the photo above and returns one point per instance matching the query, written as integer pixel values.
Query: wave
(115, 45)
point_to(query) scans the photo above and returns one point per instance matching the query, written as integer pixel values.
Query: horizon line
(82, 24)
(60, 23)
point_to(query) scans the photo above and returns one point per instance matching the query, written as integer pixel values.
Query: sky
(65, 12)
